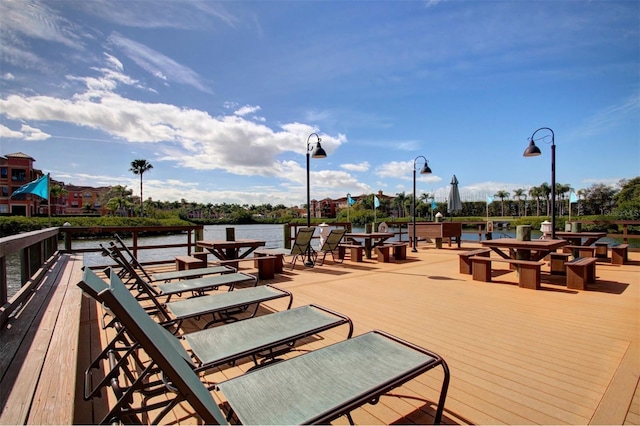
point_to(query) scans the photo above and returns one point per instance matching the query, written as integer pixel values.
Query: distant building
(80, 200)
(17, 170)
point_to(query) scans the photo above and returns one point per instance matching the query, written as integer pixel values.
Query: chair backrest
(156, 342)
(333, 239)
(132, 259)
(92, 284)
(303, 241)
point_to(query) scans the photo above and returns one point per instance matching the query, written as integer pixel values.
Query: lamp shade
(532, 150)
(425, 170)
(318, 151)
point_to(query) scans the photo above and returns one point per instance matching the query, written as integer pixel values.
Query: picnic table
(575, 238)
(512, 248)
(230, 250)
(371, 239)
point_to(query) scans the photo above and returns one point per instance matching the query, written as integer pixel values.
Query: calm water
(272, 234)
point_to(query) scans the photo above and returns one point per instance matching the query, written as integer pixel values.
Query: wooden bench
(580, 272)
(580, 251)
(465, 262)
(382, 253)
(266, 265)
(602, 250)
(198, 260)
(557, 261)
(356, 251)
(279, 253)
(399, 250)
(619, 254)
(528, 270)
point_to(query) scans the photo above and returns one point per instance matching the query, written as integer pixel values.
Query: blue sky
(221, 97)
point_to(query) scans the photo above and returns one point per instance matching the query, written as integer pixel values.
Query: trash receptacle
(523, 232)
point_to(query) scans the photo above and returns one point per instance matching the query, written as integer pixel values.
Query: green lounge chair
(316, 387)
(263, 337)
(300, 249)
(120, 347)
(128, 257)
(197, 286)
(331, 243)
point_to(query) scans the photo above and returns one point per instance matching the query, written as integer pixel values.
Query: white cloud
(157, 64)
(26, 132)
(359, 167)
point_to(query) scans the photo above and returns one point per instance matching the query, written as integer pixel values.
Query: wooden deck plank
(516, 356)
(54, 399)
(19, 383)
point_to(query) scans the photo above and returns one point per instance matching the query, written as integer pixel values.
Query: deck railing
(38, 249)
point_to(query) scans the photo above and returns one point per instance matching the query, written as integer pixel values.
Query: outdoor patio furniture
(465, 259)
(263, 337)
(619, 254)
(331, 244)
(322, 385)
(580, 272)
(126, 255)
(301, 248)
(528, 270)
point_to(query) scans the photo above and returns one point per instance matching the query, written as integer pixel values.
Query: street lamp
(348, 205)
(532, 151)
(318, 152)
(425, 170)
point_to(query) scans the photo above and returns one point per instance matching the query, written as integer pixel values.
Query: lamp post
(425, 170)
(318, 152)
(348, 204)
(532, 151)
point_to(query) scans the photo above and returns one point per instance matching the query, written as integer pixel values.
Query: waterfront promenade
(516, 356)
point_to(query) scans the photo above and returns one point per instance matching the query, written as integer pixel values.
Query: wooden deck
(517, 356)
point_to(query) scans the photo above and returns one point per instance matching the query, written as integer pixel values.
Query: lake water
(273, 235)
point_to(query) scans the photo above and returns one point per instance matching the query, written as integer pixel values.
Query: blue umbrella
(454, 203)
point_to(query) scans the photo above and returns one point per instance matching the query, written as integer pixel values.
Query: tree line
(621, 201)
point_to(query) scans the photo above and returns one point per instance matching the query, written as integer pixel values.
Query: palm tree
(534, 192)
(138, 167)
(399, 202)
(518, 194)
(502, 194)
(545, 191)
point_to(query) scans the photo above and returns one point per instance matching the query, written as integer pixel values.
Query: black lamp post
(318, 152)
(424, 171)
(532, 151)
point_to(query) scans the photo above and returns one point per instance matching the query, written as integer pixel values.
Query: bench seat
(528, 270)
(356, 251)
(465, 261)
(198, 260)
(602, 250)
(580, 251)
(399, 249)
(580, 272)
(557, 261)
(266, 265)
(619, 254)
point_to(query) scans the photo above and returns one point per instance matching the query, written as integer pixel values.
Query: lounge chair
(315, 387)
(264, 337)
(222, 304)
(197, 286)
(331, 244)
(127, 256)
(300, 249)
